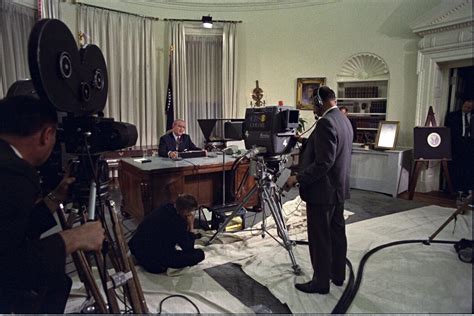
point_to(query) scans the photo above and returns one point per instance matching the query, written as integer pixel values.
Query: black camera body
(75, 82)
(271, 128)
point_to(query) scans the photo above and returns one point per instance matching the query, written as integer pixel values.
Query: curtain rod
(195, 20)
(151, 17)
(118, 11)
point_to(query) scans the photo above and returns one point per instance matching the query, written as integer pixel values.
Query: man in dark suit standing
(462, 144)
(324, 185)
(345, 110)
(175, 141)
(33, 268)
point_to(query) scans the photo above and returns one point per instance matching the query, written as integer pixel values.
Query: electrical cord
(177, 295)
(308, 128)
(349, 294)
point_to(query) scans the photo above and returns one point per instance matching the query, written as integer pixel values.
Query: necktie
(178, 141)
(467, 127)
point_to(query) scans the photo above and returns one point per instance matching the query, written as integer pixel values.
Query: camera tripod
(460, 210)
(266, 172)
(125, 275)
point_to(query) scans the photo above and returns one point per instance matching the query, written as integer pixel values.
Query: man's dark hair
(186, 202)
(25, 115)
(326, 93)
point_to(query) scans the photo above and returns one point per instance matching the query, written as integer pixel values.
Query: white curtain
(16, 22)
(204, 74)
(130, 51)
(229, 70)
(178, 70)
(50, 9)
(204, 81)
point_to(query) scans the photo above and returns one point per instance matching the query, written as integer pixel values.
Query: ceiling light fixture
(207, 22)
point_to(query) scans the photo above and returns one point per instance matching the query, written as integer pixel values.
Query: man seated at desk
(155, 240)
(175, 141)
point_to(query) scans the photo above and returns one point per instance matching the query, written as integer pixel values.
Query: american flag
(169, 110)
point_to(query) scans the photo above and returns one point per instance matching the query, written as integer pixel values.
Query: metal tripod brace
(125, 276)
(463, 207)
(268, 193)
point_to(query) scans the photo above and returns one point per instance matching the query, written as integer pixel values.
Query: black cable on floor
(348, 296)
(177, 295)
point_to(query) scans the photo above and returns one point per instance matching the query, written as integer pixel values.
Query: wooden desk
(146, 186)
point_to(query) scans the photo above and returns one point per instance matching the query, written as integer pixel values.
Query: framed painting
(387, 135)
(304, 91)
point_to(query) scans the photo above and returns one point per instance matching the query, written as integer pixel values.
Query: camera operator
(155, 240)
(324, 185)
(33, 269)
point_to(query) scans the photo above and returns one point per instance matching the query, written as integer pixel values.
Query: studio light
(207, 22)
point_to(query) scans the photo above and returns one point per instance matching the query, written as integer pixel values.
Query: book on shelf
(361, 92)
(378, 106)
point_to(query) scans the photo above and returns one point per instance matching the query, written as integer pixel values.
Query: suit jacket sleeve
(30, 261)
(163, 147)
(325, 145)
(185, 239)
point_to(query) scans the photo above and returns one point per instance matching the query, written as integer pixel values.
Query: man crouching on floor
(155, 240)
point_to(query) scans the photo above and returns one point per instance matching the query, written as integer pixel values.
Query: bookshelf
(367, 105)
(362, 87)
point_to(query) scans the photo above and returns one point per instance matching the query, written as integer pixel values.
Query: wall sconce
(207, 22)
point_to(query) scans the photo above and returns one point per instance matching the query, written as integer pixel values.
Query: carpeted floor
(363, 204)
(366, 204)
(258, 298)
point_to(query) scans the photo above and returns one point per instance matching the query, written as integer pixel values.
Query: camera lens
(65, 66)
(85, 91)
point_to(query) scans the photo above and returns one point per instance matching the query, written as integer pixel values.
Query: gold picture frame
(304, 91)
(387, 135)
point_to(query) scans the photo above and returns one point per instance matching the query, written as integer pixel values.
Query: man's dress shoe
(309, 287)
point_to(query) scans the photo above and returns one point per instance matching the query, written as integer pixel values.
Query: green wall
(279, 45)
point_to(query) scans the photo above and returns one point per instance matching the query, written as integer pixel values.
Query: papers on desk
(142, 160)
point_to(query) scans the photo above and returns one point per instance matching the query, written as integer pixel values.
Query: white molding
(449, 14)
(363, 67)
(447, 37)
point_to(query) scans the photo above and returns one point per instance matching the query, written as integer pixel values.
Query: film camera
(75, 82)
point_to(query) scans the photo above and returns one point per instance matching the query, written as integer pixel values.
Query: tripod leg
(107, 284)
(134, 293)
(450, 218)
(83, 269)
(103, 272)
(234, 213)
(281, 229)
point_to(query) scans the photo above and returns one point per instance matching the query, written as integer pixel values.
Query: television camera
(75, 82)
(269, 136)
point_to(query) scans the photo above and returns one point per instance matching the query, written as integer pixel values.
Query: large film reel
(72, 80)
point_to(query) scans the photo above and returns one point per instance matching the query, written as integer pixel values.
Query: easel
(430, 120)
